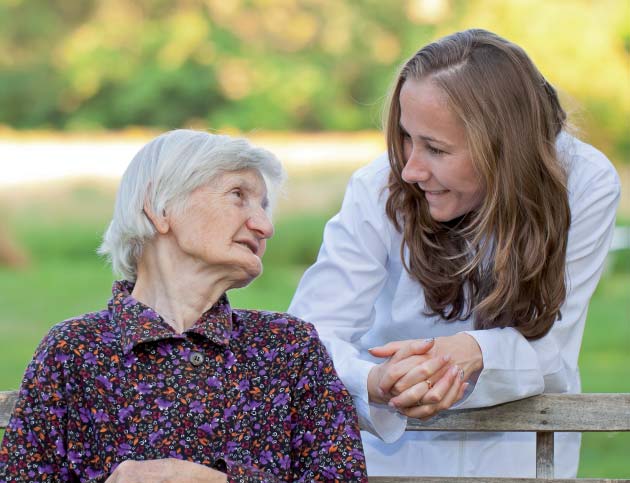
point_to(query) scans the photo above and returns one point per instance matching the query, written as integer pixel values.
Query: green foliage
(287, 64)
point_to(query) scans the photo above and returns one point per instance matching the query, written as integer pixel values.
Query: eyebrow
(249, 187)
(427, 138)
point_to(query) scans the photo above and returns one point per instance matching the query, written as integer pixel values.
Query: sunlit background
(84, 83)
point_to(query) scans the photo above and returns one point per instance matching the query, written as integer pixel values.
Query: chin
(248, 275)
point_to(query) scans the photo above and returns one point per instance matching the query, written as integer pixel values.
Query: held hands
(421, 378)
(169, 470)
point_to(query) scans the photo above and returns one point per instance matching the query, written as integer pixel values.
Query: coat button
(196, 358)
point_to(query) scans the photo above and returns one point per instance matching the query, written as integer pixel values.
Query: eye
(238, 192)
(435, 151)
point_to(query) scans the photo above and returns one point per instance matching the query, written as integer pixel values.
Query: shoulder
(374, 175)
(66, 337)
(588, 168)
(278, 328)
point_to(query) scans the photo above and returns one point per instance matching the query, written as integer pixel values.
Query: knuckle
(417, 393)
(423, 372)
(399, 387)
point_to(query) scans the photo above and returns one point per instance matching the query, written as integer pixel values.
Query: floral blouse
(250, 393)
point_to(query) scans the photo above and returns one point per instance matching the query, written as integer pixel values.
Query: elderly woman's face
(224, 225)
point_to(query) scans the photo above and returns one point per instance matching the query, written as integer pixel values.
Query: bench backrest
(544, 415)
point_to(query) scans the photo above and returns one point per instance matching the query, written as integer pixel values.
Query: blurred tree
(282, 64)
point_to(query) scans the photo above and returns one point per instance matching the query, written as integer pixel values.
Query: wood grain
(547, 412)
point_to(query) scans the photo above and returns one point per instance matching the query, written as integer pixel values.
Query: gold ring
(429, 383)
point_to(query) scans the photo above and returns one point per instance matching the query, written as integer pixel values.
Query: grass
(65, 278)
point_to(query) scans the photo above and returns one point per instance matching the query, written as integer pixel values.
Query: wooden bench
(542, 414)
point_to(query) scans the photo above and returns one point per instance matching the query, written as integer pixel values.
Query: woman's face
(224, 225)
(436, 151)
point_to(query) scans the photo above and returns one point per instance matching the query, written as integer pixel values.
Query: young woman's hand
(415, 390)
(407, 360)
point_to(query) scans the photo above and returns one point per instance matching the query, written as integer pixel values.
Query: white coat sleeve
(513, 367)
(338, 293)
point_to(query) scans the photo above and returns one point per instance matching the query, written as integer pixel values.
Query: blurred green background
(80, 68)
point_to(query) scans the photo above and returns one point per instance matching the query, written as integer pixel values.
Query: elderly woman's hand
(169, 470)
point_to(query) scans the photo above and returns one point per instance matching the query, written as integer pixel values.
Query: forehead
(424, 107)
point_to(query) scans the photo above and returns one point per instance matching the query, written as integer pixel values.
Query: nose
(415, 170)
(261, 224)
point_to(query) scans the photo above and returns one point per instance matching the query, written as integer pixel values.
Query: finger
(413, 347)
(402, 348)
(444, 386)
(431, 369)
(412, 397)
(393, 371)
(388, 349)
(462, 391)
(427, 411)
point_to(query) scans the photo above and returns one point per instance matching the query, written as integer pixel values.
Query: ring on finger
(429, 383)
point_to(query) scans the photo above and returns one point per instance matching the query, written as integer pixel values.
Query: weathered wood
(547, 412)
(7, 401)
(544, 455)
(450, 479)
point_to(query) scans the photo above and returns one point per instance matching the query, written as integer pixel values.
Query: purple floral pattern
(264, 403)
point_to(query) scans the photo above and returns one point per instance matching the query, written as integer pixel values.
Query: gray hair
(164, 173)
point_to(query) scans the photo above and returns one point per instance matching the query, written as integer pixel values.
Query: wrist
(472, 360)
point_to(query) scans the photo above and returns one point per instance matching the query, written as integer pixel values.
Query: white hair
(164, 173)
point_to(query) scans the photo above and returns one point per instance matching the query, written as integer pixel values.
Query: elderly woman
(169, 383)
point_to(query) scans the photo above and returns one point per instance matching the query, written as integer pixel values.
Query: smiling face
(436, 151)
(224, 225)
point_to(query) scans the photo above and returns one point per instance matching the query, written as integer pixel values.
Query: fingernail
(429, 341)
(392, 405)
(454, 370)
(466, 384)
(446, 358)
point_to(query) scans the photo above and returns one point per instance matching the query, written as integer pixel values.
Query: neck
(180, 290)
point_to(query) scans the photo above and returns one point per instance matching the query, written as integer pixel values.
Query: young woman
(485, 227)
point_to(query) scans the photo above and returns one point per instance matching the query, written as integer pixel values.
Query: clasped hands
(422, 377)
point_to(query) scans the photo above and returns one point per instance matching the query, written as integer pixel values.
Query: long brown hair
(503, 263)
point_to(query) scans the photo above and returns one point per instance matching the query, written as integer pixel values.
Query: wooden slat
(7, 401)
(451, 479)
(547, 412)
(544, 455)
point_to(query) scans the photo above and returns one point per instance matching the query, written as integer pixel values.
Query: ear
(159, 222)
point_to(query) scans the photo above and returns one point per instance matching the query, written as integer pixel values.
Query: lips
(251, 244)
(434, 192)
